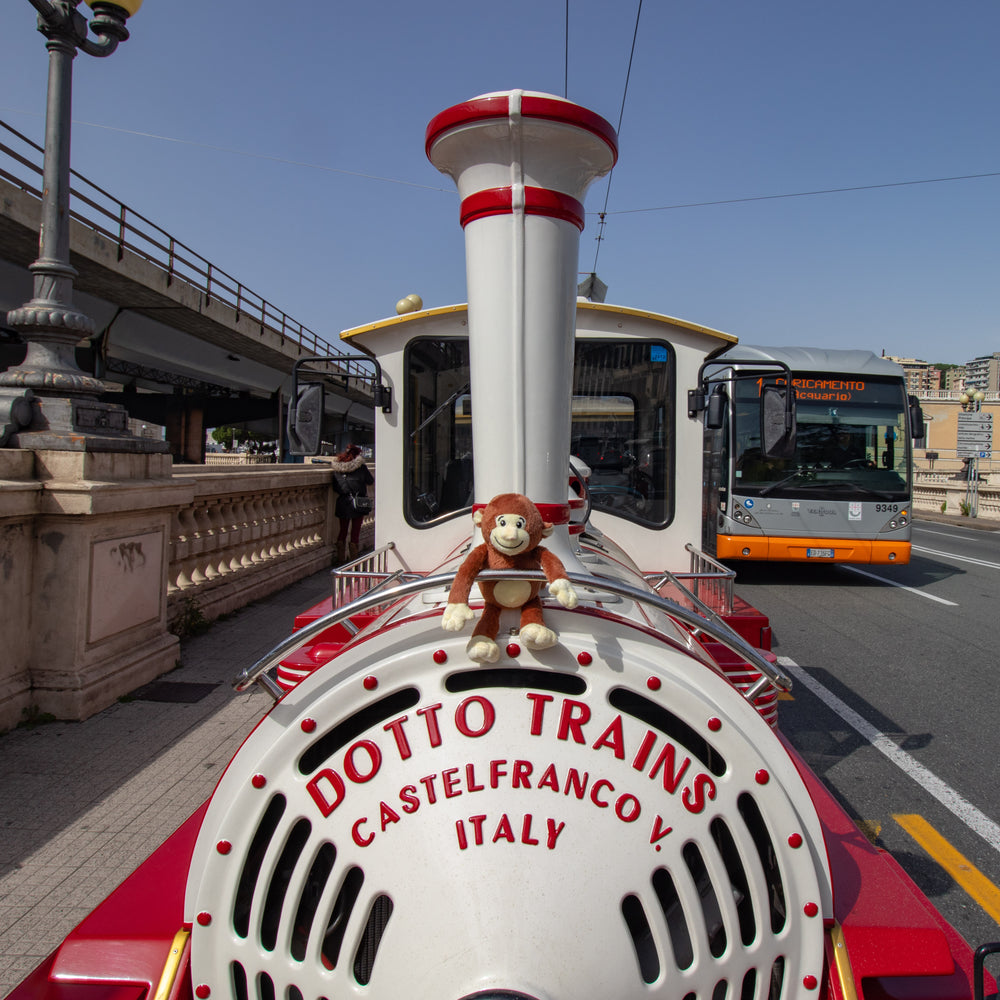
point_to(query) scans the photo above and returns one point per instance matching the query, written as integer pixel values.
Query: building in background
(921, 376)
(984, 372)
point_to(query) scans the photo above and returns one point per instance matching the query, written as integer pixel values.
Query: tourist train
(590, 797)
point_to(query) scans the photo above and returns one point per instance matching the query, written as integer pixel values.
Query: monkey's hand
(455, 616)
(562, 590)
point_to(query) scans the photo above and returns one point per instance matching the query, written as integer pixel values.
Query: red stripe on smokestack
(532, 106)
(537, 201)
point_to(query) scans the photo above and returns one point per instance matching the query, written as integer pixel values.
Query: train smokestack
(522, 162)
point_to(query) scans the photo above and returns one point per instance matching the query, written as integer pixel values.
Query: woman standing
(351, 479)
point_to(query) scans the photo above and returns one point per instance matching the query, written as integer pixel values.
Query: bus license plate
(819, 553)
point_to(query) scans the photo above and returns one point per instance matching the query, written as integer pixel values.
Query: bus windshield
(852, 439)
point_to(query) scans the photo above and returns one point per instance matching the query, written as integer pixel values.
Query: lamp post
(63, 398)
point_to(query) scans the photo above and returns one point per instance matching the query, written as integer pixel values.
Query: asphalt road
(896, 704)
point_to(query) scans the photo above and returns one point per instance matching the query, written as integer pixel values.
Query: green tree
(230, 437)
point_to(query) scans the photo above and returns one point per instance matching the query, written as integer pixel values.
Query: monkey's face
(510, 534)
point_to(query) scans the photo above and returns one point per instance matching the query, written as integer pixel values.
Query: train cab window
(438, 428)
(622, 401)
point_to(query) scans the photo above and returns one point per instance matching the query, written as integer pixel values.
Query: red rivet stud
(203, 991)
(308, 725)
(440, 656)
(795, 840)
(223, 847)
(762, 777)
(258, 781)
(653, 683)
(584, 659)
(715, 724)
(810, 909)
(370, 683)
(204, 918)
(513, 649)
(809, 982)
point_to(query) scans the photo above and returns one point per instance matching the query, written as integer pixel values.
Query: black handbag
(362, 505)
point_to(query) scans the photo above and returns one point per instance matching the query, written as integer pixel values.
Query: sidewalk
(83, 803)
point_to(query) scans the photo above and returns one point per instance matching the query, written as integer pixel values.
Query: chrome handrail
(717, 631)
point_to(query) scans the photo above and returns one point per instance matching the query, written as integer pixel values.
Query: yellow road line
(963, 871)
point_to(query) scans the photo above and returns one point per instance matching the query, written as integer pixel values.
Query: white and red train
(615, 815)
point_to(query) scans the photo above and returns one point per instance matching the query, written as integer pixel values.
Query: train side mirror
(777, 422)
(917, 428)
(305, 420)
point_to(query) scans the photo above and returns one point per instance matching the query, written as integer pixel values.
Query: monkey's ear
(477, 517)
(546, 529)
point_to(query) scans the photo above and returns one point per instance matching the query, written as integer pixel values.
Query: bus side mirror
(305, 420)
(715, 417)
(917, 428)
(777, 422)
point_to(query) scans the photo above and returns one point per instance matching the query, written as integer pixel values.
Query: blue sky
(284, 142)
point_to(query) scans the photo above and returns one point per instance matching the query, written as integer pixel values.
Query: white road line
(951, 555)
(949, 534)
(958, 806)
(902, 586)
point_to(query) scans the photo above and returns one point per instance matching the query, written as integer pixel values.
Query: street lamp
(63, 397)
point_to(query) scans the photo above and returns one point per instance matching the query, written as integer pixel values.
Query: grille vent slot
(340, 914)
(251, 866)
(536, 680)
(370, 716)
(378, 919)
(274, 903)
(750, 812)
(316, 881)
(712, 887)
(642, 938)
(655, 715)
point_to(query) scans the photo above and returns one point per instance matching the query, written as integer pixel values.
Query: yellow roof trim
(658, 317)
(405, 318)
(581, 304)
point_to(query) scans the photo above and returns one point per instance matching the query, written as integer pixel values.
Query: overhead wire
(799, 194)
(621, 116)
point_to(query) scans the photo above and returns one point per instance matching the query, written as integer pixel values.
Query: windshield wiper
(781, 482)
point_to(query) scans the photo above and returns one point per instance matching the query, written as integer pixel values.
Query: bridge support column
(185, 431)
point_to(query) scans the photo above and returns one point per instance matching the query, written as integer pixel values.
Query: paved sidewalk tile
(83, 803)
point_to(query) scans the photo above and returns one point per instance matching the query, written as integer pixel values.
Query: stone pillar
(90, 624)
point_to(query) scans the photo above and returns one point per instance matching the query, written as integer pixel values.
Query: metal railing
(131, 231)
(696, 626)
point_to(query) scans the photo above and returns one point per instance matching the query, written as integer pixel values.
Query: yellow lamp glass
(129, 6)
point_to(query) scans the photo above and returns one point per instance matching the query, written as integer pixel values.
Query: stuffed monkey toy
(512, 527)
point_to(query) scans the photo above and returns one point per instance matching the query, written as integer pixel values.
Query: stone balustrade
(107, 557)
(932, 489)
(248, 532)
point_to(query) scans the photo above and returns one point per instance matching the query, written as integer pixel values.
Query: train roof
(816, 359)
(582, 304)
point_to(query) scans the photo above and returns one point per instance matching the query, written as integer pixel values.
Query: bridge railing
(129, 230)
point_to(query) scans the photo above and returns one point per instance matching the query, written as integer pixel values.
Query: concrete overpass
(180, 342)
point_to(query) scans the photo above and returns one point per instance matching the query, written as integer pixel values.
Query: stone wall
(102, 554)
